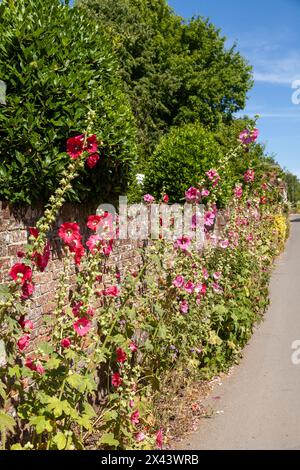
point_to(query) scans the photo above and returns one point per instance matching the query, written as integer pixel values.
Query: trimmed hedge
(57, 66)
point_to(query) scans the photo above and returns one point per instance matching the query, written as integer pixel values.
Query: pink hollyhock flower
(121, 355)
(189, 287)
(82, 326)
(25, 324)
(91, 144)
(205, 192)
(112, 291)
(39, 368)
(159, 439)
(33, 232)
(217, 276)
(140, 436)
(23, 342)
(93, 221)
(246, 137)
(166, 198)
(93, 243)
(205, 273)
(68, 232)
(76, 308)
(212, 174)
(30, 364)
(184, 306)
(27, 290)
(224, 244)
(133, 347)
(65, 343)
(249, 238)
(249, 176)
(42, 260)
(20, 272)
(182, 243)
(75, 146)
(209, 218)
(148, 198)
(192, 195)
(135, 417)
(238, 192)
(116, 380)
(92, 160)
(178, 281)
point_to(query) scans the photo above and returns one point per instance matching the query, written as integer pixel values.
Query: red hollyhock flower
(121, 355)
(20, 254)
(33, 232)
(93, 221)
(25, 324)
(75, 146)
(76, 308)
(92, 144)
(92, 160)
(39, 368)
(68, 232)
(77, 248)
(20, 272)
(42, 260)
(112, 291)
(23, 342)
(116, 380)
(82, 326)
(27, 290)
(166, 198)
(65, 343)
(35, 366)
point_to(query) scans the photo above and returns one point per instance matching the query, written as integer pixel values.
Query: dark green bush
(180, 160)
(57, 65)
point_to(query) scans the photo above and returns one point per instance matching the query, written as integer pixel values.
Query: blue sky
(267, 33)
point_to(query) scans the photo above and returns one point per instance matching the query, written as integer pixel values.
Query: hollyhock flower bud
(165, 198)
(92, 160)
(121, 355)
(65, 343)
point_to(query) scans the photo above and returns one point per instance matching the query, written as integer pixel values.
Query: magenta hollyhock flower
(33, 232)
(121, 355)
(112, 291)
(20, 272)
(149, 198)
(192, 195)
(133, 347)
(27, 290)
(224, 243)
(238, 191)
(165, 198)
(23, 342)
(159, 439)
(249, 237)
(82, 326)
(184, 306)
(116, 380)
(29, 362)
(69, 231)
(246, 137)
(91, 144)
(39, 368)
(182, 243)
(209, 218)
(65, 343)
(75, 146)
(135, 417)
(178, 281)
(93, 243)
(92, 160)
(212, 174)
(205, 192)
(249, 176)
(189, 287)
(139, 436)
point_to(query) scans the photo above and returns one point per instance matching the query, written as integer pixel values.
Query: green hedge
(57, 65)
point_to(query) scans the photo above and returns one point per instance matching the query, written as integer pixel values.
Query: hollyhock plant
(249, 176)
(92, 160)
(121, 355)
(23, 342)
(65, 343)
(69, 231)
(116, 380)
(135, 417)
(75, 146)
(193, 195)
(149, 198)
(20, 272)
(178, 281)
(184, 306)
(82, 326)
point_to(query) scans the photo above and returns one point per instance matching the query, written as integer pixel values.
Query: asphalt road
(258, 404)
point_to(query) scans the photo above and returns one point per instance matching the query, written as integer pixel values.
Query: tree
(176, 72)
(57, 65)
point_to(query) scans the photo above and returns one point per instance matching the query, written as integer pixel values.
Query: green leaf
(41, 424)
(60, 440)
(7, 422)
(109, 439)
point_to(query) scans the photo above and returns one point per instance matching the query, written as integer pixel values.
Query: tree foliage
(176, 72)
(58, 65)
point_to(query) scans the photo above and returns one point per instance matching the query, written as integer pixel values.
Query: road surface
(259, 402)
